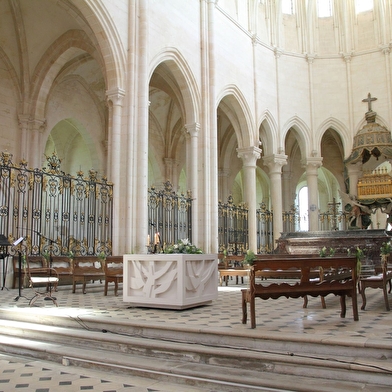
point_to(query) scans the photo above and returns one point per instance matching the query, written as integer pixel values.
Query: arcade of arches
(228, 97)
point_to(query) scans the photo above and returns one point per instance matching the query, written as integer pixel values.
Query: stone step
(250, 340)
(204, 364)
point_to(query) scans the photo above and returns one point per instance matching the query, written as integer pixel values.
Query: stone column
(223, 177)
(193, 130)
(115, 98)
(288, 196)
(275, 164)
(36, 151)
(354, 172)
(23, 120)
(249, 157)
(312, 165)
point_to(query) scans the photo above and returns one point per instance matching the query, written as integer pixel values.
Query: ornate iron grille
(55, 212)
(265, 237)
(233, 227)
(169, 214)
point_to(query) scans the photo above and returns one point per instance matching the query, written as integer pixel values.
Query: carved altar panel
(171, 281)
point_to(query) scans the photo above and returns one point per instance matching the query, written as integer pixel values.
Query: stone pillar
(249, 157)
(193, 130)
(275, 164)
(115, 98)
(36, 151)
(288, 196)
(354, 172)
(223, 176)
(312, 165)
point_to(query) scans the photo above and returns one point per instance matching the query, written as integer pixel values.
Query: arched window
(363, 5)
(288, 7)
(324, 8)
(303, 209)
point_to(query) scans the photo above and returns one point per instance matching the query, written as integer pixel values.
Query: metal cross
(369, 100)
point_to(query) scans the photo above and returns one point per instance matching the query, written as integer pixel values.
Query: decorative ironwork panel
(233, 227)
(169, 216)
(265, 237)
(55, 212)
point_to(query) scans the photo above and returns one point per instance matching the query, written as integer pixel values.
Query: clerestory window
(363, 6)
(288, 7)
(324, 8)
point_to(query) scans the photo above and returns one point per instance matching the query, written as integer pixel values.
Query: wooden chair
(382, 278)
(113, 272)
(44, 281)
(36, 262)
(85, 269)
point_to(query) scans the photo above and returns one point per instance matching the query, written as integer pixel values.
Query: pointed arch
(268, 131)
(65, 48)
(340, 129)
(184, 78)
(234, 104)
(302, 132)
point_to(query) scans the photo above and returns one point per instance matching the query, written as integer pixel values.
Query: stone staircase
(220, 362)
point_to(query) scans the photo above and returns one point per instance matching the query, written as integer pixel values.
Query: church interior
(270, 108)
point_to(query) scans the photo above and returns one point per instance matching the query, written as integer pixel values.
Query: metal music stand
(18, 241)
(3, 255)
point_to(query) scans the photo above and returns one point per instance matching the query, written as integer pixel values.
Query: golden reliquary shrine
(375, 185)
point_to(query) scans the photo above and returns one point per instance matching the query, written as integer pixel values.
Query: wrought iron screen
(55, 212)
(233, 227)
(265, 237)
(169, 214)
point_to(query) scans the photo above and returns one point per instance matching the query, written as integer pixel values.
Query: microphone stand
(20, 269)
(51, 242)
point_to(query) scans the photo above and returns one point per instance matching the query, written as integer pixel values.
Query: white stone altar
(170, 281)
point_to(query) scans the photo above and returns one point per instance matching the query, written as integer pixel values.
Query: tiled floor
(282, 316)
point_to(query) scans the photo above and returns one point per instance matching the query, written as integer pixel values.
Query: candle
(155, 238)
(148, 240)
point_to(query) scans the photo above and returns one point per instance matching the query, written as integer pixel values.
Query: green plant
(102, 256)
(323, 252)
(183, 246)
(386, 248)
(249, 257)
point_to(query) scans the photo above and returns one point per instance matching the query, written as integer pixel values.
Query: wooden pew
(85, 269)
(113, 272)
(63, 266)
(306, 285)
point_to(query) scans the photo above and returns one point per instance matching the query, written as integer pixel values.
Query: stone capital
(275, 162)
(115, 95)
(249, 155)
(192, 129)
(312, 164)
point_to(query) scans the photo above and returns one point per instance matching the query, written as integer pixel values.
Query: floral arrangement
(324, 252)
(249, 257)
(183, 246)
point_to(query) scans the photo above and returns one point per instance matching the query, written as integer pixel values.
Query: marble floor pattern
(282, 316)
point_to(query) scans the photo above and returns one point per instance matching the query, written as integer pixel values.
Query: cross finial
(369, 100)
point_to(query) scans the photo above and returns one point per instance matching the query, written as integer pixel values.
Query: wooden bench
(113, 272)
(230, 266)
(237, 272)
(63, 266)
(85, 269)
(304, 286)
